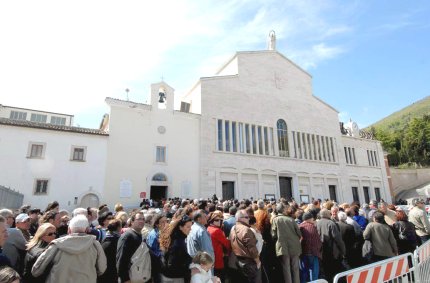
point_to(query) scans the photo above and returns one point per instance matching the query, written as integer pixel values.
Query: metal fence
(10, 198)
(396, 269)
(422, 262)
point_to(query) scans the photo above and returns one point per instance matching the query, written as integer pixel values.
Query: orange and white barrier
(382, 271)
(422, 262)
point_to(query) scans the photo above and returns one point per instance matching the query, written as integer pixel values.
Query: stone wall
(405, 179)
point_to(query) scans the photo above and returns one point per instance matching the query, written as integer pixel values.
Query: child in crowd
(201, 269)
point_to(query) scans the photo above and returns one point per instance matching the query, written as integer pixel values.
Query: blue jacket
(361, 221)
(199, 240)
(152, 242)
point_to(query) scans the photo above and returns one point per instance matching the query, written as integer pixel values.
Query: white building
(258, 131)
(255, 129)
(47, 161)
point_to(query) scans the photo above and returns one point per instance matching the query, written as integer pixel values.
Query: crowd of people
(204, 240)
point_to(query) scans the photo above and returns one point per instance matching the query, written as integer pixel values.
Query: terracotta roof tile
(46, 126)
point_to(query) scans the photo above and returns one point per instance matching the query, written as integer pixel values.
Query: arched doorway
(90, 200)
(158, 187)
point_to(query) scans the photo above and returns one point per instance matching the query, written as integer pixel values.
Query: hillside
(398, 121)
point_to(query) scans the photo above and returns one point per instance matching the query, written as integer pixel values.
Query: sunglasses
(50, 234)
(246, 217)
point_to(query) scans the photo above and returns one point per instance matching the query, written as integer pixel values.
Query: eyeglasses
(246, 217)
(50, 234)
(217, 220)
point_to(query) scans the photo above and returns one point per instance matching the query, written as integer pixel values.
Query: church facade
(254, 130)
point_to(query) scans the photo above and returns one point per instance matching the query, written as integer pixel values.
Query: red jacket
(219, 243)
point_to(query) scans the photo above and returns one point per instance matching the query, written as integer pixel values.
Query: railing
(395, 269)
(422, 262)
(10, 198)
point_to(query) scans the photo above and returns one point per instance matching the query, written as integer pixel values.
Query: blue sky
(367, 58)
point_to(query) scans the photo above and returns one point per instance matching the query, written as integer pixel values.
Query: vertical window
(328, 149)
(36, 150)
(220, 147)
(294, 144)
(266, 142)
(254, 140)
(319, 147)
(355, 194)
(78, 153)
(247, 136)
(282, 138)
(350, 156)
(366, 194)
(161, 154)
(353, 156)
(346, 155)
(368, 157)
(332, 149)
(308, 137)
(323, 149)
(272, 141)
(332, 191)
(241, 138)
(38, 118)
(315, 149)
(227, 135)
(260, 140)
(305, 150)
(378, 194)
(299, 145)
(233, 133)
(41, 187)
(376, 158)
(17, 115)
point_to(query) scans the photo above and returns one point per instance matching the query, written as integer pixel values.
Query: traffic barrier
(422, 262)
(395, 269)
(319, 281)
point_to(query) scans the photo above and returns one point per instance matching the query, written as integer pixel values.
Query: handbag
(367, 250)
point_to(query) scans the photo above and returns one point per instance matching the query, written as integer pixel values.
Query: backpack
(140, 270)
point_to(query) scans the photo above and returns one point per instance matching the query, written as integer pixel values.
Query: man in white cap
(15, 246)
(77, 257)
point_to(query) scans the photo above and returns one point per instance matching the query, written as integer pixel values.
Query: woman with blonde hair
(44, 235)
(118, 207)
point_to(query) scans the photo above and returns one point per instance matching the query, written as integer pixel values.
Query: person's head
(341, 216)
(382, 206)
(325, 213)
(215, 218)
(260, 204)
(204, 259)
(104, 218)
(373, 204)
(181, 226)
(280, 208)
(137, 221)
(159, 221)
(232, 210)
(242, 216)
(334, 210)
(114, 225)
(308, 217)
(8, 216)
(118, 207)
(34, 215)
(80, 211)
(45, 233)
(22, 221)
(199, 216)
(378, 217)
(3, 231)
(51, 217)
(123, 216)
(78, 224)
(8, 275)
(53, 206)
(401, 215)
(420, 203)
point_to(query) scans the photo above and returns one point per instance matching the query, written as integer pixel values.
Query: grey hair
(240, 213)
(280, 207)
(325, 213)
(80, 211)
(342, 216)
(78, 224)
(260, 203)
(6, 212)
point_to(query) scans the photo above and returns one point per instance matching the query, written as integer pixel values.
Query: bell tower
(162, 96)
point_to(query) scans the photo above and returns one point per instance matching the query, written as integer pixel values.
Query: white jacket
(201, 277)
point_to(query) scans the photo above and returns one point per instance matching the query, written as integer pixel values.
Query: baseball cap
(22, 217)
